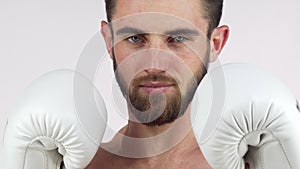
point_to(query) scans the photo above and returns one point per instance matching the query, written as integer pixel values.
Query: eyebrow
(181, 31)
(129, 30)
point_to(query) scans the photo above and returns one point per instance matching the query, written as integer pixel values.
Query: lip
(156, 87)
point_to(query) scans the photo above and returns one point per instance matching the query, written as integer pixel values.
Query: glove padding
(60, 117)
(242, 114)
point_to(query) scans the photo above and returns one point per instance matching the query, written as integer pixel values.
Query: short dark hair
(212, 12)
(110, 8)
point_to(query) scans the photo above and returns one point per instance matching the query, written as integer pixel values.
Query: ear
(218, 40)
(107, 35)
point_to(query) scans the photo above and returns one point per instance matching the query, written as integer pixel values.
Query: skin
(185, 154)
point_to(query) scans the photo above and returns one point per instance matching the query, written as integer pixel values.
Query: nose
(157, 54)
(157, 41)
(157, 61)
(154, 70)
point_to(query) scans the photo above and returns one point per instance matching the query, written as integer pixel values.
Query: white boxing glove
(60, 118)
(242, 114)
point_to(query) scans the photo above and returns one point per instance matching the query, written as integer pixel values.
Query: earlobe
(106, 34)
(218, 40)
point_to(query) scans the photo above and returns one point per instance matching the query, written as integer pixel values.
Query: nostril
(154, 70)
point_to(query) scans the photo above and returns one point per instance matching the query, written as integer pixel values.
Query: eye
(134, 39)
(179, 39)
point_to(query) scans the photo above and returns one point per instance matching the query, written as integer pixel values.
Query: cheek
(196, 68)
(191, 59)
(122, 52)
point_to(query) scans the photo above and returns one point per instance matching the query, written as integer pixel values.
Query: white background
(39, 36)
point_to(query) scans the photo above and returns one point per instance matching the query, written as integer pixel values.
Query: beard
(156, 109)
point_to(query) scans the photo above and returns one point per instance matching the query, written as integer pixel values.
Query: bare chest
(111, 165)
(187, 162)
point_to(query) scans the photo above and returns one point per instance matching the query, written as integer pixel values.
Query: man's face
(161, 55)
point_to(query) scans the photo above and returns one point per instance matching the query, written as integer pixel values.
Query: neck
(139, 130)
(140, 140)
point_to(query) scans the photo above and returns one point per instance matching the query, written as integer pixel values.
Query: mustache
(154, 77)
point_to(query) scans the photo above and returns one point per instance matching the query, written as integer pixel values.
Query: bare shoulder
(192, 160)
(100, 160)
(104, 158)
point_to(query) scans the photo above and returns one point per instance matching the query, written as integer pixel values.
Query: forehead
(191, 11)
